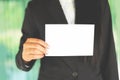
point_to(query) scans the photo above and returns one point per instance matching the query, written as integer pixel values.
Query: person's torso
(68, 68)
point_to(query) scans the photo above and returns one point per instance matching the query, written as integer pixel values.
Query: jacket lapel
(56, 12)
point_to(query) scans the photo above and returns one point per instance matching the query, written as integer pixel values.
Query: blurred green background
(11, 18)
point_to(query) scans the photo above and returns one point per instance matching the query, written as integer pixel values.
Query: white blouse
(69, 10)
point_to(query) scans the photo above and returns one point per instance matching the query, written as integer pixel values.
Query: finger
(35, 47)
(33, 57)
(39, 41)
(33, 51)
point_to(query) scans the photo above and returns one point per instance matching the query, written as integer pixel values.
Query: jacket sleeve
(28, 30)
(109, 67)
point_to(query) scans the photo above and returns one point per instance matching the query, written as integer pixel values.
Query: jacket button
(74, 74)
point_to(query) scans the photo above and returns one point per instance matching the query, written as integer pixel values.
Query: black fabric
(101, 66)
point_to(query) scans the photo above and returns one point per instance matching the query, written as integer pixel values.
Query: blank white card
(70, 39)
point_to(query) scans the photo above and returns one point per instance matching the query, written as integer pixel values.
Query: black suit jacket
(101, 66)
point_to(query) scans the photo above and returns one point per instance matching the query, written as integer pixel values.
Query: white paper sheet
(70, 39)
